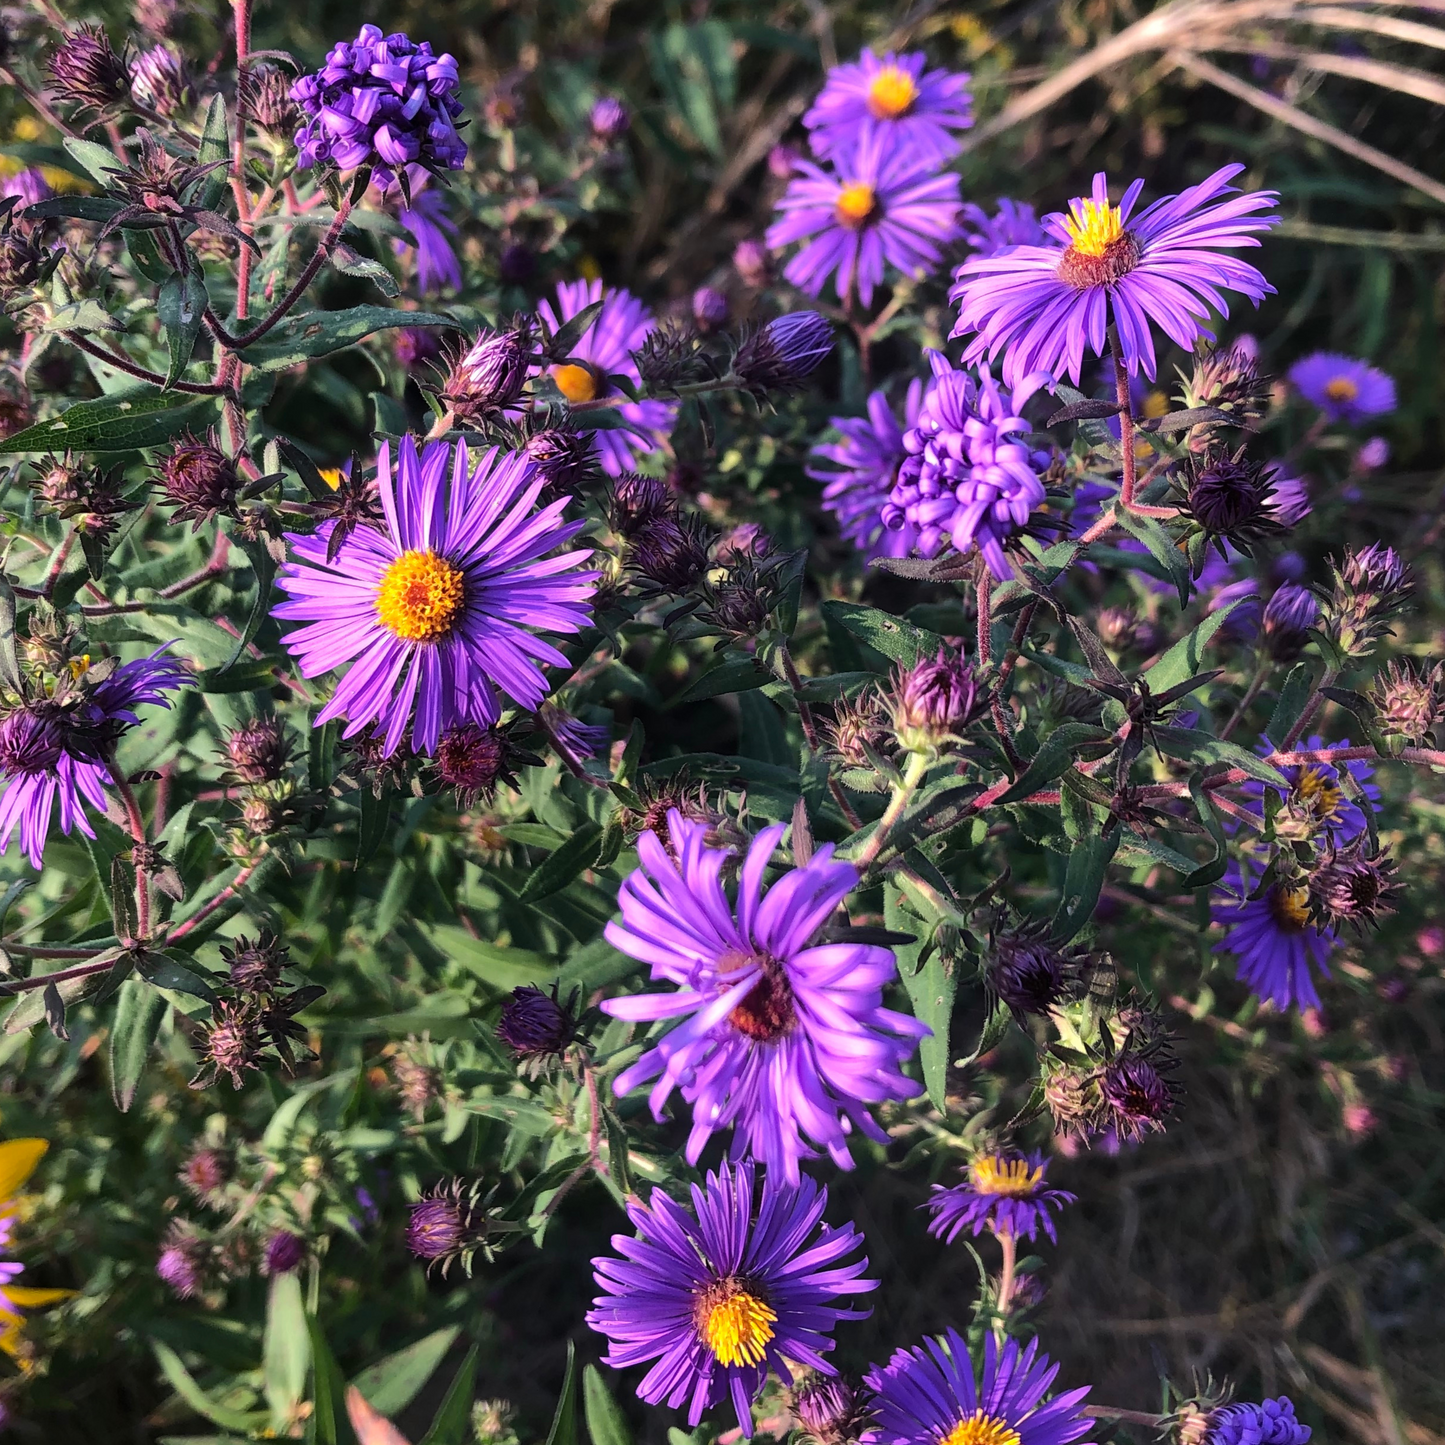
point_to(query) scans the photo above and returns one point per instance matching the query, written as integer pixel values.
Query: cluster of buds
(1409, 704)
(783, 354)
(1227, 380)
(741, 601)
(665, 546)
(933, 701)
(200, 479)
(451, 1224)
(538, 1028)
(490, 374)
(1367, 591)
(91, 498)
(1123, 1096)
(85, 70)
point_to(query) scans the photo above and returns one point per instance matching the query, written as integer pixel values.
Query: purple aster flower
(1289, 503)
(709, 308)
(1288, 617)
(1004, 1192)
(1272, 940)
(428, 220)
(382, 101)
(881, 206)
(966, 481)
(788, 1039)
(784, 353)
(894, 102)
(574, 740)
(929, 1394)
(1271, 1422)
(1345, 389)
(863, 468)
(28, 186)
(609, 119)
(53, 750)
(1016, 224)
(1039, 306)
(284, 1252)
(621, 327)
(744, 1282)
(434, 608)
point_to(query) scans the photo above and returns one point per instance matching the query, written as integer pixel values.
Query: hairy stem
(1010, 1246)
(902, 795)
(1126, 419)
(123, 363)
(136, 825)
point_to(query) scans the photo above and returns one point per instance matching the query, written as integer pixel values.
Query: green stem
(902, 795)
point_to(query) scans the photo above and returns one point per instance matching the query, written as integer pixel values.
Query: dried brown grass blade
(1401, 78)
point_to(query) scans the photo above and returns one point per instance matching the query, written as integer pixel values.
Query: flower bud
(264, 94)
(233, 1044)
(609, 119)
(256, 967)
(470, 759)
(563, 456)
(709, 308)
(1117, 628)
(784, 353)
(517, 264)
(159, 79)
(200, 479)
(831, 1411)
(1230, 497)
(489, 375)
(448, 1225)
(182, 1259)
(933, 701)
(1288, 617)
(859, 726)
(21, 258)
(536, 1027)
(754, 263)
(671, 553)
(1370, 588)
(419, 1083)
(1227, 379)
(637, 503)
(205, 1175)
(1027, 973)
(492, 1422)
(1137, 1098)
(1409, 704)
(85, 70)
(284, 1252)
(258, 750)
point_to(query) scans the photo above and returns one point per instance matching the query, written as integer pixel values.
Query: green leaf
(139, 1010)
(523, 1114)
(695, 69)
(575, 855)
(1183, 659)
(617, 1151)
(180, 307)
(1202, 747)
(264, 566)
(125, 421)
(97, 161)
(606, 1424)
(729, 677)
(450, 1425)
(1296, 692)
(995, 1026)
(327, 1391)
(352, 263)
(1055, 756)
(85, 315)
(9, 657)
(1207, 874)
(215, 146)
(390, 1385)
(1161, 548)
(319, 333)
(181, 1381)
(74, 208)
(1088, 862)
(891, 636)
(166, 972)
(931, 990)
(286, 1352)
(564, 1418)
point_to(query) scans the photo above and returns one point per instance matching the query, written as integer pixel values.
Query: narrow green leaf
(181, 1381)
(180, 306)
(286, 1351)
(125, 421)
(575, 855)
(1055, 756)
(215, 146)
(139, 1010)
(564, 1418)
(328, 1424)
(890, 635)
(95, 160)
(1088, 862)
(1183, 660)
(450, 1425)
(730, 677)
(264, 566)
(319, 333)
(390, 1385)
(9, 656)
(606, 1424)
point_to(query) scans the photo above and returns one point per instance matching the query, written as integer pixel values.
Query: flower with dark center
(1409, 702)
(1003, 1191)
(609, 119)
(1136, 1096)
(489, 375)
(537, 1027)
(205, 1174)
(285, 1253)
(159, 79)
(783, 354)
(471, 759)
(264, 96)
(383, 101)
(1040, 307)
(1351, 884)
(85, 70)
(933, 701)
(746, 1282)
(637, 503)
(709, 308)
(1230, 497)
(448, 1225)
(182, 1260)
(672, 553)
(233, 1044)
(764, 1051)
(1029, 974)
(200, 479)
(1369, 589)
(259, 750)
(753, 262)
(256, 967)
(831, 1412)
(1288, 617)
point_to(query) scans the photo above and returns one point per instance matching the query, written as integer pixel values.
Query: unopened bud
(258, 750)
(159, 79)
(85, 70)
(609, 119)
(1409, 704)
(754, 263)
(709, 308)
(784, 353)
(933, 701)
(200, 479)
(489, 375)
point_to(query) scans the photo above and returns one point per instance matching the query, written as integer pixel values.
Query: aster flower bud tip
(448, 1225)
(831, 1411)
(536, 1027)
(489, 375)
(161, 81)
(933, 701)
(85, 70)
(200, 479)
(753, 262)
(284, 1252)
(709, 308)
(784, 353)
(258, 750)
(609, 119)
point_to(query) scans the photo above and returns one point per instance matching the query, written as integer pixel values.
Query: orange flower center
(420, 596)
(1341, 388)
(891, 93)
(734, 1323)
(855, 204)
(576, 382)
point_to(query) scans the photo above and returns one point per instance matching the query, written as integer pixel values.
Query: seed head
(471, 759)
(419, 1083)
(1351, 885)
(199, 478)
(860, 727)
(85, 70)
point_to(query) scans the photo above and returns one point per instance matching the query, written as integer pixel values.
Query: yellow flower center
(420, 596)
(981, 1429)
(855, 204)
(735, 1325)
(1325, 799)
(1290, 906)
(1093, 226)
(1341, 388)
(994, 1174)
(576, 383)
(891, 93)
(332, 477)
(1156, 404)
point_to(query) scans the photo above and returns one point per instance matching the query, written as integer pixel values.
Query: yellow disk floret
(1341, 389)
(576, 383)
(891, 93)
(1093, 226)
(420, 596)
(736, 1325)
(981, 1429)
(856, 202)
(1013, 1178)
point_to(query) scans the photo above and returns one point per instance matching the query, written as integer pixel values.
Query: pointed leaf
(124, 421)
(392, 1384)
(180, 307)
(452, 1419)
(138, 1013)
(606, 1424)
(564, 1419)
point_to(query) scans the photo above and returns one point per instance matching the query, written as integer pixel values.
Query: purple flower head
(831, 1411)
(1345, 389)
(182, 1259)
(28, 186)
(536, 1026)
(284, 1252)
(159, 79)
(787, 1040)
(53, 752)
(609, 119)
(573, 740)
(1040, 306)
(893, 102)
(434, 610)
(1016, 224)
(1317, 804)
(428, 220)
(621, 327)
(967, 482)
(881, 206)
(1271, 1422)
(753, 262)
(1004, 1192)
(1272, 940)
(933, 701)
(861, 472)
(1288, 617)
(784, 353)
(1136, 1096)
(1289, 503)
(1373, 454)
(929, 1394)
(709, 308)
(749, 1279)
(383, 101)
